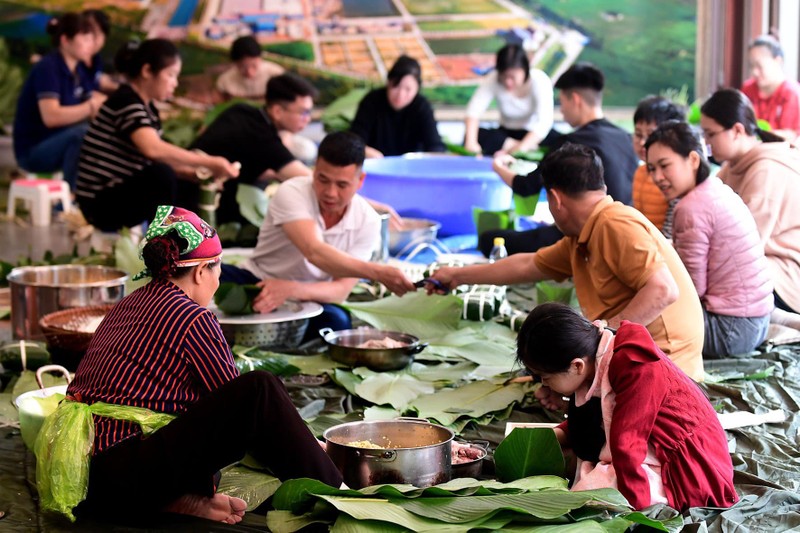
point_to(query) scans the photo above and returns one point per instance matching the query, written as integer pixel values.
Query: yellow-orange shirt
(615, 255)
(648, 198)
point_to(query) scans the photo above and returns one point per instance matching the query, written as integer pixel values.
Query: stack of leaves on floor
(523, 504)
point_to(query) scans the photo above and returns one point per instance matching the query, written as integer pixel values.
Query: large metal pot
(39, 290)
(343, 347)
(284, 327)
(413, 452)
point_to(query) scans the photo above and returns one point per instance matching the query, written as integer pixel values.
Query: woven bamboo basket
(70, 331)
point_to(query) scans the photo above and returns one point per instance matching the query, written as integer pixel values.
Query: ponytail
(134, 55)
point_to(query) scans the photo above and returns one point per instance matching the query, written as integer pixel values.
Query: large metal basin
(40, 290)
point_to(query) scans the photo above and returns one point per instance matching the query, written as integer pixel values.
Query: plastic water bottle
(498, 250)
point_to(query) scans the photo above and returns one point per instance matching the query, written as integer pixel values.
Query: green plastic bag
(64, 449)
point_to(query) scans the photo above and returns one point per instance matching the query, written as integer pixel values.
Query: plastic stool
(40, 195)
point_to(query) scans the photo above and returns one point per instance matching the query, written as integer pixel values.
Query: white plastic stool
(39, 195)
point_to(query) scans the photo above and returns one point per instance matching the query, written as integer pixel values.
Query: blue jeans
(727, 336)
(333, 316)
(57, 152)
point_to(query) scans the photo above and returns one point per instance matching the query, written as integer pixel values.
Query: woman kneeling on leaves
(159, 358)
(663, 441)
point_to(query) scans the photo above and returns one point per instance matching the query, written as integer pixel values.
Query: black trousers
(520, 241)
(133, 201)
(492, 140)
(251, 414)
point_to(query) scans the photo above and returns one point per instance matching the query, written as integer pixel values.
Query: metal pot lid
(290, 310)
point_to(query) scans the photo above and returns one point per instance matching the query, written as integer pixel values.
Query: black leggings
(251, 414)
(133, 201)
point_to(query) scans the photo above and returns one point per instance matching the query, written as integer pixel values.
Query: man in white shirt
(318, 236)
(249, 74)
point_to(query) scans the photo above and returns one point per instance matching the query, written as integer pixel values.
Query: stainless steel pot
(343, 347)
(412, 451)
(39, 290)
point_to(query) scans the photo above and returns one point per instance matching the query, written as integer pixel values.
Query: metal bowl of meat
(376, 349)
(467, 458)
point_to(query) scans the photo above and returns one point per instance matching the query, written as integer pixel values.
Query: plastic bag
(64, 449)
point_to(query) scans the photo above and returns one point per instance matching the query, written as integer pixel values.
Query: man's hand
(394, 280)
(274, 292)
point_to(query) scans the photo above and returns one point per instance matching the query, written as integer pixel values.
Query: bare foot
(220, 507)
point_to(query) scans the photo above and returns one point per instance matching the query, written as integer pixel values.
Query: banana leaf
(235, 299)
(415, 313)
(380, 413)
(313, 365)
(340, 113)
(389, 512)
(252, 203)
(346, 379)
(529, 452)
(252, 486)
(488, 353)
(442, 373)
(27, 382)
(126, 256)
(287, 522)
(322, 422)
(392, 389)
(531, 504)
(472, 400)
(274, 365)
(545, 505)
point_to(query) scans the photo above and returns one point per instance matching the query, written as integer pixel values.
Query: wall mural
(643, 46)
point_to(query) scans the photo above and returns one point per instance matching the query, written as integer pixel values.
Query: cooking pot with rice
(411, 451)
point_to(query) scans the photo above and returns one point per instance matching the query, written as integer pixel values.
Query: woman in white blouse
(524, 98)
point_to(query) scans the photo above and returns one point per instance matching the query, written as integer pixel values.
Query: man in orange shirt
(622, 266)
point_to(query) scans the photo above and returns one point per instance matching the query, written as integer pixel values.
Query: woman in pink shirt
(716, 237)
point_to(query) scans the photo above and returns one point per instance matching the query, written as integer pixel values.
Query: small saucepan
(467, 458)
(344, 347)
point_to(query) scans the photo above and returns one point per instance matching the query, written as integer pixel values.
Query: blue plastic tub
(437, 187)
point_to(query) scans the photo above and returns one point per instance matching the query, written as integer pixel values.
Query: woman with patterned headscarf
(162, 401)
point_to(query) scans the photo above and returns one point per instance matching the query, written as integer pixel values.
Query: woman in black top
(396, 119)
